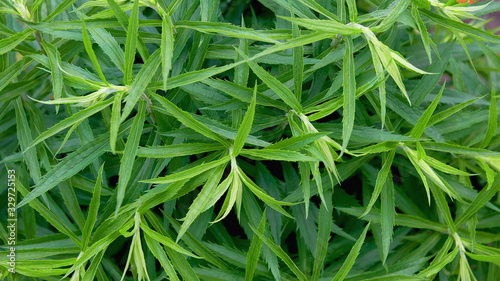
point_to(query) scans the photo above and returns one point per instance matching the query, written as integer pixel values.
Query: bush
(249, 140)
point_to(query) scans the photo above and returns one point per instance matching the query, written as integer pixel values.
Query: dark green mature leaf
(245, 126)
(349, 86)
(461, 27)
(351, 258)
(140, 83)
(71, 165)
(127, 161)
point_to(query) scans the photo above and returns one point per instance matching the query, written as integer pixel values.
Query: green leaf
(388, 216)
(127, 161)
(186, 119)
(276, 155)
(381, 180)
(281, 254)
(176, 150)
(419, 128)
(93, 211)
(160, 255)
(57, 78)
(130, 44)
(327, 26)
(460, 27)
(71, 165)
(349, 92)
(73, 119)
(11, 73)
(393, 16)
(492, 120)
(481, 199)
(165, 241)
(140, 83)
(281, 90)
(324, 228)
(351, 258)
(110, 47)
(24, 137)
(115, 120)
(254, 250)
(189, 173)
(225, 29)
(245, 126)
(10, 43)
(203, 201)
(167, 48)
(88, 48)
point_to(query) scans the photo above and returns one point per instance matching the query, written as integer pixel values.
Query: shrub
(249, 140)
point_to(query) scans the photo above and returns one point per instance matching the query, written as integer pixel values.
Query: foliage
(250, 140)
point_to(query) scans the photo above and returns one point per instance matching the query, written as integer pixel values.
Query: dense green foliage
(250, 140)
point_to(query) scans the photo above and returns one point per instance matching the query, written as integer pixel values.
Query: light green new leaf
(351, 258)
(262, 195)
(493, 258)
(245, 126)
(189, 173)
(128, 157)
(165, 241)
